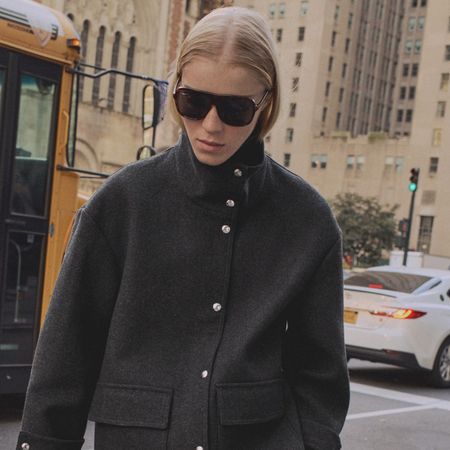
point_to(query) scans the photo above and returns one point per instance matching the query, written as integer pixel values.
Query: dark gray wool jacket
(198, 307)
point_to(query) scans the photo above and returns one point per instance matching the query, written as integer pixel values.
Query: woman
(200, 301)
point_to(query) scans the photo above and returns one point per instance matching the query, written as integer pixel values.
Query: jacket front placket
(223, 194)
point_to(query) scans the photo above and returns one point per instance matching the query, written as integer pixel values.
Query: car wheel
(440, 375)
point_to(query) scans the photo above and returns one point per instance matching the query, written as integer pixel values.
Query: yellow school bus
(39, 60)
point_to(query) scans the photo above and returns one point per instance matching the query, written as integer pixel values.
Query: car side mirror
(448, 293)
(153, 101)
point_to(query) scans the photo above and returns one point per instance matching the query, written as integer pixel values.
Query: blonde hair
(244, 37)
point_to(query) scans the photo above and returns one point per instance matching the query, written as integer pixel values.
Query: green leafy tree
(367, 227)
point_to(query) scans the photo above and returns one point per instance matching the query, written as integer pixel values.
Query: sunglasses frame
(215, 97)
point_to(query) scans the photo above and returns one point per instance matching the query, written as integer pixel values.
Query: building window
(330, 64)
(279, 34)
(433, 167)
(405, 71)
(403, 93)
(399, 163)
(350, 163)
(298, 59)
(281, 10)
(84, 46)
(327, 89)
(437, 137)
(127, 83)
(447, 52)
(414, 3)
(412, 92)
(445, 77)
(350, 21)
(400, 115)
(414, 70)
(408, 116)
(440, 112)
(347, 45)
(304, 7)
(425, 232)
(344, 70)
(417, 46)
(341, 95)
(323, 159)
(448, 26)
(360, 160)
(324, 114)
(333, 38)
(292, 109)
(421, 23)
(338, 120)
(411, 24)
(295, 84)
(272, 9)
(408, 46)
(301, 33)
(287, 160)
(98, 63)
(112, 77)
(423, 3)
(314, 161)
(388, 164)
(289, 134)
(337, 11)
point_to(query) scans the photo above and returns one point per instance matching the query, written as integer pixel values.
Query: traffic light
(414, 179)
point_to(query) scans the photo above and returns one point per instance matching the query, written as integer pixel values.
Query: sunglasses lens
(232, 110)
(192, 104)
(236, 111)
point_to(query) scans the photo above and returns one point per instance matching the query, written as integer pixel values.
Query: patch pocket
(129, 417)
(250, 403)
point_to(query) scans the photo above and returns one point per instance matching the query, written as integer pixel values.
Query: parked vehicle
(400, 316)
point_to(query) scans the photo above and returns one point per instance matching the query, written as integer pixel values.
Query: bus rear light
(401, 313)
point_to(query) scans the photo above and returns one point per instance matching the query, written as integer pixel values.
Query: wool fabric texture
(181, 319)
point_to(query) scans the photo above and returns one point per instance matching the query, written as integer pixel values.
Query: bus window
(2, 80)
(33, 145)
(22, 284)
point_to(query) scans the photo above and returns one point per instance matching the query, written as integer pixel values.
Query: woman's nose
(212, 122)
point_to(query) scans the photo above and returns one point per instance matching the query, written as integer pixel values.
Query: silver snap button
(226, 229)
(204, 374)
(217, 307)
(230, 203)
(237, 172)
(25, 446)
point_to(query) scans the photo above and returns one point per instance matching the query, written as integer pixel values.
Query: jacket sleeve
(70, 349)
(314, 357)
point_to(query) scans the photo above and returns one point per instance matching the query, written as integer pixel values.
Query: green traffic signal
(412, 187)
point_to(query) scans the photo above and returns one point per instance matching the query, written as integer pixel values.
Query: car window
(392, 281)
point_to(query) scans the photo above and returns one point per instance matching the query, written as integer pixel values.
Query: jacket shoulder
(297, 197)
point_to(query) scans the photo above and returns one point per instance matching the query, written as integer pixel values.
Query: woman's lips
(209, 145)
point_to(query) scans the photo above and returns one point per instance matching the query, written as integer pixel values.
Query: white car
(400, 316)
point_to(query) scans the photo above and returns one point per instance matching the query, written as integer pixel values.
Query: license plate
(350, 316)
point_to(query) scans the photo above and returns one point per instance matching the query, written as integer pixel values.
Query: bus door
(29, 91)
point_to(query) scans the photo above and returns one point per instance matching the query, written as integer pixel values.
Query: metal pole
(408, 231)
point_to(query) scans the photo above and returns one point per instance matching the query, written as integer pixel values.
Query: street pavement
(390, 409)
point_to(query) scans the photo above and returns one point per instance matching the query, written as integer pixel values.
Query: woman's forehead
(208, 74)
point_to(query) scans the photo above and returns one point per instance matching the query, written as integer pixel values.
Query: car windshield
(391, 281)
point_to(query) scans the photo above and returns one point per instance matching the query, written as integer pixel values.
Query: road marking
(421, 402)
(387, 412)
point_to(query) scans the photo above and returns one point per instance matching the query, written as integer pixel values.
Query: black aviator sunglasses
(234, 110)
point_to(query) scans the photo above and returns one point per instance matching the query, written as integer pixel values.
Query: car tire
(440, 375)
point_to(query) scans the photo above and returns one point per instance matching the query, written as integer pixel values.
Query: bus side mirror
(153, 101)
(144, 152)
